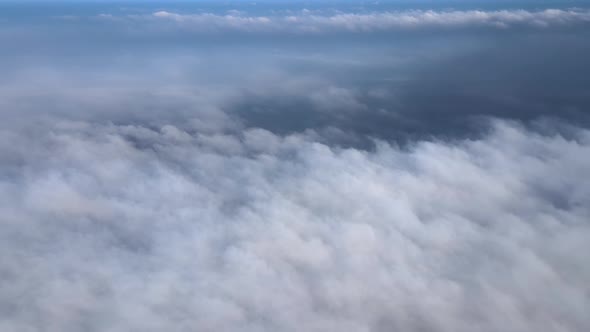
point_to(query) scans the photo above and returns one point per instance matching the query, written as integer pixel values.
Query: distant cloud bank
(311, 22)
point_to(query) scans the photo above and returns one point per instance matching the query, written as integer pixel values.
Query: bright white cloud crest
(310, 22)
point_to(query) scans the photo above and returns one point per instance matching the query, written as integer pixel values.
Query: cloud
(130, 227)
(315, 23)
(288, 184)
(348, 102)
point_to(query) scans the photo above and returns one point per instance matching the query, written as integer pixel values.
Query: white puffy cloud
(136, 228)
(311, 22)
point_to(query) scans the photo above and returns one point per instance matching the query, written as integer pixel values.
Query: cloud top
(126, 228)
(309, 22)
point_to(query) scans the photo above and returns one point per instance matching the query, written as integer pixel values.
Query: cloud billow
(318, 23)
(119, 228)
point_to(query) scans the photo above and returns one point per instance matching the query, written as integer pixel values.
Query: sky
(295, 166)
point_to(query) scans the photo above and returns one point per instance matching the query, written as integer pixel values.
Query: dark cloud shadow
(527, 77)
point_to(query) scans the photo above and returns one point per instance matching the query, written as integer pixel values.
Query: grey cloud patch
(121, 228)
(525, 78)
(451, 97)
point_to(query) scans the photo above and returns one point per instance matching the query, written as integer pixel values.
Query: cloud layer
(310, 22)
(134, 228)
(179, 167)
